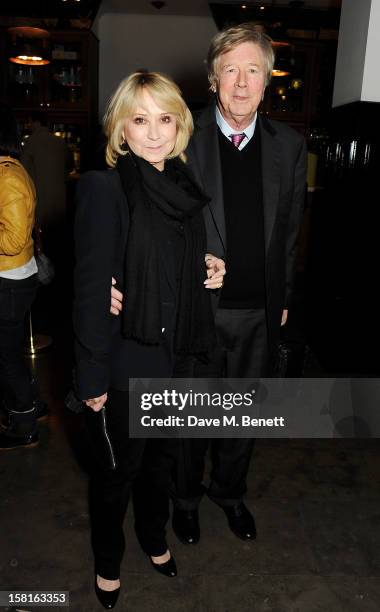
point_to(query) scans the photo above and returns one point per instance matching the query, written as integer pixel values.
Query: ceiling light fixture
(29, 46)
(276, 72)
(277, 44)
(282, 64)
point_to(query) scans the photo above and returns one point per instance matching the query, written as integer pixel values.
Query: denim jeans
(16, 298)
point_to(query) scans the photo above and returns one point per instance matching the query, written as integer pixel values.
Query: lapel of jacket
(206, 148)
(270, 160)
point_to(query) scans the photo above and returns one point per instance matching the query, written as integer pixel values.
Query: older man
(254, 169)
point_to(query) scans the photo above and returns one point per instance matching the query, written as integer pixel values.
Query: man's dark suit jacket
(104, 358)
(284, 187)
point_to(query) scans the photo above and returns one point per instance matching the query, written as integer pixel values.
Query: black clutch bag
(283, 359)
(97, 429)
(290, 359)
(73, 403)
(46, 271)
(96, 425)
(45, 268)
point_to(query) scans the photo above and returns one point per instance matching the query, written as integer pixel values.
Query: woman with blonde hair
(140, 222)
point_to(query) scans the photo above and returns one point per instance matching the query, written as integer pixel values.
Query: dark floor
(316, 504)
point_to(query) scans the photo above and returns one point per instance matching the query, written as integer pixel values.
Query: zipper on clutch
(113, 462)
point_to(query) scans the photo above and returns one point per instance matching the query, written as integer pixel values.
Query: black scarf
(150, 193)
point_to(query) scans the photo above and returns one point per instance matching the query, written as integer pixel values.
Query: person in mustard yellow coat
(18, 285)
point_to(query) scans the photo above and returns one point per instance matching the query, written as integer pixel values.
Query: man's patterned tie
(237, 138)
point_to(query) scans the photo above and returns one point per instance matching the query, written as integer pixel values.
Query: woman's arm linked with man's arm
(215, 271)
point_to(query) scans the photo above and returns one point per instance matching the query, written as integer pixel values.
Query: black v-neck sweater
(244, 285)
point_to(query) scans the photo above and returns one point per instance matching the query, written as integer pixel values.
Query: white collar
(227, 130)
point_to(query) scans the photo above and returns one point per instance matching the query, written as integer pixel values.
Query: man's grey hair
(231, 37)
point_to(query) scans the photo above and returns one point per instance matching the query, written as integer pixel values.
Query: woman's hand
(284, 317)
(116, 299)
(96, 403)
(216, 269)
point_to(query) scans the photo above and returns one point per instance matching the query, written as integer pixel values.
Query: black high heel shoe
(108, 599)
(168, 568)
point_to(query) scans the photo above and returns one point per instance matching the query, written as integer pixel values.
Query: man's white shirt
(227, 130)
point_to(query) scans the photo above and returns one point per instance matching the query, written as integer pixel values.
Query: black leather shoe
(10, 442)
(108, 599)
(241, 521)
(168, 568)
(186, 525)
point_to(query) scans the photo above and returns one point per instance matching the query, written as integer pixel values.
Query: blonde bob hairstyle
(126, 99)
(228, 39)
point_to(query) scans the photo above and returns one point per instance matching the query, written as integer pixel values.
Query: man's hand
(116, 299)
(96, 403)
(216, 269)
(284, 317)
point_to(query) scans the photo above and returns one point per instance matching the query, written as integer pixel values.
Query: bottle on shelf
(76, 154)
(19, 77)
